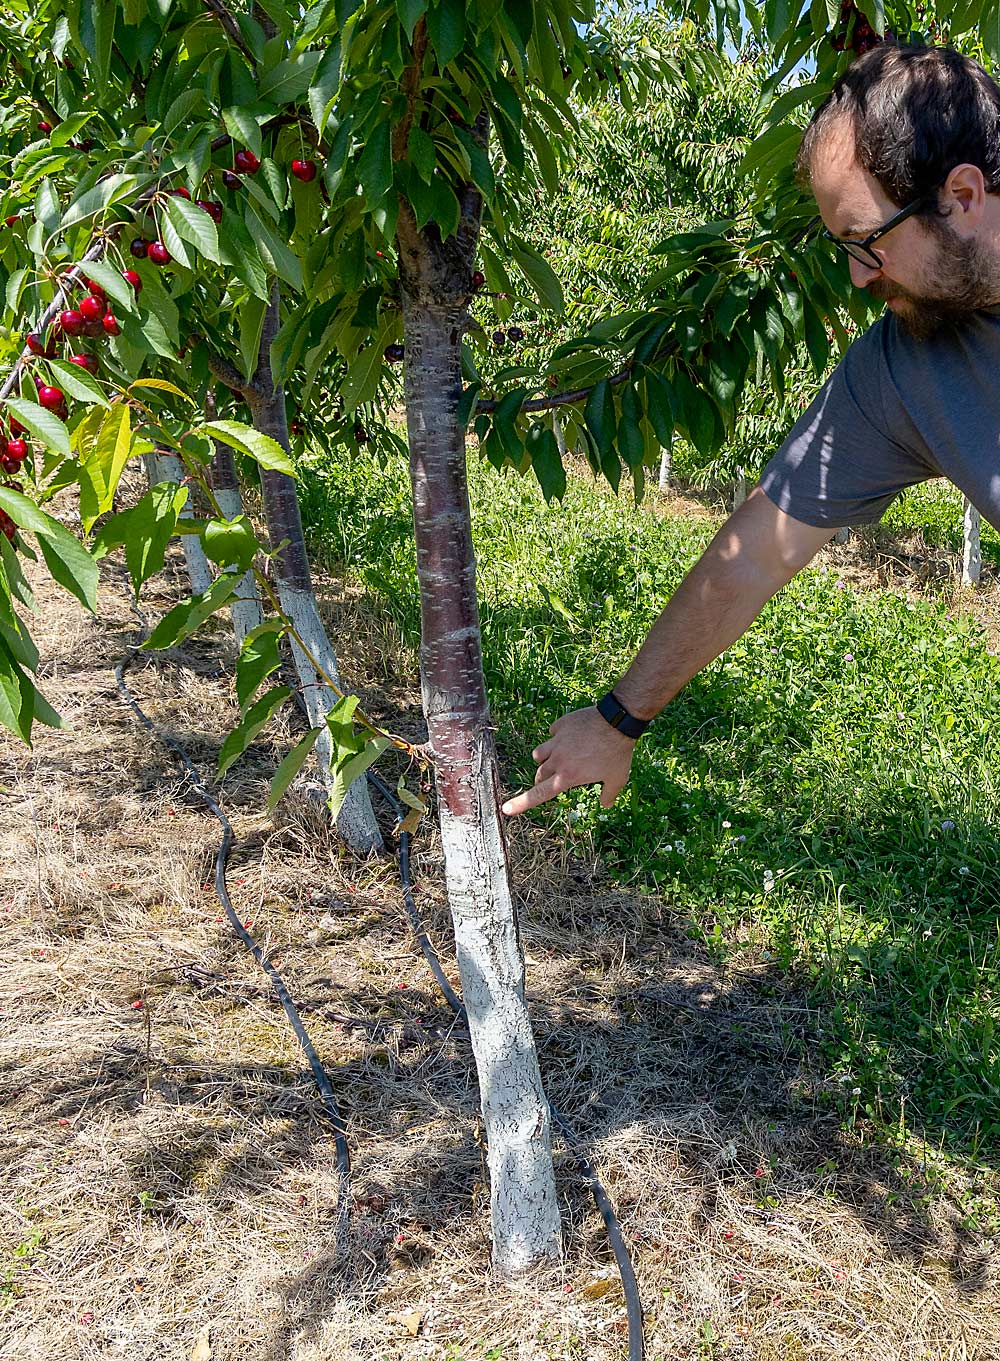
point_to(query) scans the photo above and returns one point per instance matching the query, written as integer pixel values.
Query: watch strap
(614, 712)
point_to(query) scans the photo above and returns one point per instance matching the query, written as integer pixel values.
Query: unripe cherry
(71, 321)
(51, 398)
(92, 308)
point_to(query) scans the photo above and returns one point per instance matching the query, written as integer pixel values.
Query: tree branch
(489, 405)
(231, 28)
(227, 373)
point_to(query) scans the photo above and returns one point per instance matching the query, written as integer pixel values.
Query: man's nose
(862, 274)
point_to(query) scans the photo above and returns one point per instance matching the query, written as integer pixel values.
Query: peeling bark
(434, 278)
(356, 819)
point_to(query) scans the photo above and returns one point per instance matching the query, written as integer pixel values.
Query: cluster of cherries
(862, 36)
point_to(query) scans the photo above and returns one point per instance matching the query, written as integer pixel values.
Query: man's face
(931, 274)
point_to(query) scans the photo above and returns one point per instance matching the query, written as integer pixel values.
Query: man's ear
(964, 195)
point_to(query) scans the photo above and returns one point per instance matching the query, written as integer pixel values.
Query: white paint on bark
(525, 1214)
(168, 468)
(244, 607)
(356, 820)
(666, 469)
(972, 554)
(740, 489)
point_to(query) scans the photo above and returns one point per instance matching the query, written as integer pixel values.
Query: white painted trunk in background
(740, 489)
(972, 556)
(666, 469)
(842, 535)
(244, 607)
(356, 820)
(163, 467)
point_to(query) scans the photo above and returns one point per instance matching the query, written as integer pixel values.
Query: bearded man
(904, 162)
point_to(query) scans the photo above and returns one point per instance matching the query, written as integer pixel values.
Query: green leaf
(244, 129)
(259, 656)
(162, 385)
(374, 168)
(409, 12)
(288, 81)
(68, 561)
(66, 130)
(345, 774)
(545, 462)
(17, 696)
(599, 414)
(258, 714)
(446, 29)
(274, 253)
(264, 450)
(111, 281)
(101, 196)
(816, 338)
(230, 543)
(46, 427)
(189, 615)
(539, 274)
(423, 156)
(78, 382)
(145, 530)
(290, 767)
(630, 441)
(193, 224)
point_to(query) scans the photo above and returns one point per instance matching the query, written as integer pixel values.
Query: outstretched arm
(756, 552)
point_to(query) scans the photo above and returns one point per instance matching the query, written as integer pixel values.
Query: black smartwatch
(619, 717)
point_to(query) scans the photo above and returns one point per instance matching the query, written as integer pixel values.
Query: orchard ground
(763, 984)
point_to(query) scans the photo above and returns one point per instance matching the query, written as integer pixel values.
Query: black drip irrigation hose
(630, 1287)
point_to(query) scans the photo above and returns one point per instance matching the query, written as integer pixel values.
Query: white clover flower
(726, 822)
(963, 869)
(855, 1091)
(768, 881)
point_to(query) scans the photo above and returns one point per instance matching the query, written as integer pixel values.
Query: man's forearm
(753, 555)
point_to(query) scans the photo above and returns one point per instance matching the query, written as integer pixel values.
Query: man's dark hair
(916, 113)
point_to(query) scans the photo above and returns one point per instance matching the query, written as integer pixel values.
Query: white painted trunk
(740, 489)
(525, 1215)
(666, 469)
(842, 535)
(168, 468)
(356, 819)
(972, 555)
(244, 608)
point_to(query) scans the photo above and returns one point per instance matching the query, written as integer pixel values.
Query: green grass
(826, 791)
(936, 508)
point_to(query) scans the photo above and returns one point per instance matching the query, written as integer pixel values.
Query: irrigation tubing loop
(630, 1285)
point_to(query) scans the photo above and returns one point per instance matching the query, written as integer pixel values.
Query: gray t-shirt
(896, 411)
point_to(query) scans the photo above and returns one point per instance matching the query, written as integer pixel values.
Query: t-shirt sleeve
(840, 465)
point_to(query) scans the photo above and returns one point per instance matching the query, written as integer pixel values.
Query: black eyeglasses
(861, 250)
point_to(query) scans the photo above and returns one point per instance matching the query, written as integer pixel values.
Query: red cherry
(158, 253)
(71, 321)
(17, 449)
(85, 361)
(92, 308)
(212, 207)
(110, 324)
(11, 220)
(94, 287)
(246, 162)
(132, 278)
(34, 342)
(478, 278)
(45, 127)
(137, 248)
(16, 428)
(304, 171)
(51, 398)
(92, 326)
(230, 180)
(180, 192)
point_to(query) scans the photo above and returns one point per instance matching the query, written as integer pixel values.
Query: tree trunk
(972, 556)
(666, 469)
(162, 466)
(739, 489)
(434, 277)
(356, 820)
(244, 608)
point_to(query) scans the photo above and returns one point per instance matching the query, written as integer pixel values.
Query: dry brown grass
(169, 1185)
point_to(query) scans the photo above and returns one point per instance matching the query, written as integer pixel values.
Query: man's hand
(584, 749)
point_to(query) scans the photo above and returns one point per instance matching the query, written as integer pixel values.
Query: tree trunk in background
(739, 489)
(356, 820)
(972, 556)
(162, 466)
(666, 469)
(434, 278)
(244, 608)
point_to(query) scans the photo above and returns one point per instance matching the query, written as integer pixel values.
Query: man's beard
(965, 281)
